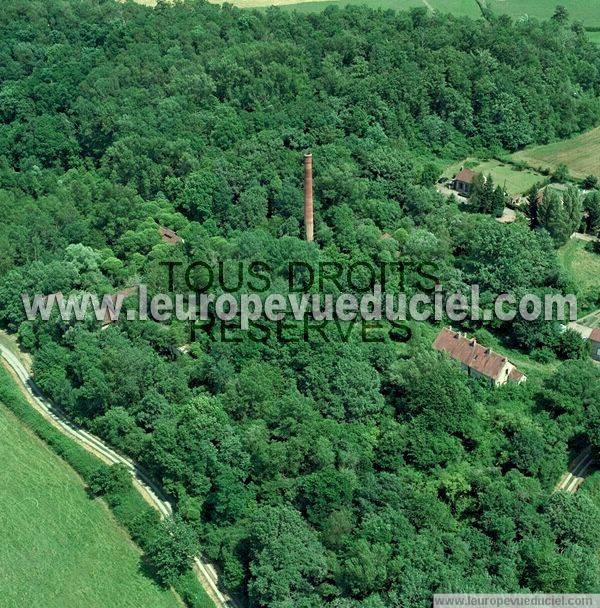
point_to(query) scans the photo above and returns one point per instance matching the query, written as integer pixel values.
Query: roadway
(575, 476)
(150, 490)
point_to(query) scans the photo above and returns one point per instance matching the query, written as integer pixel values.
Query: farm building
(463, 181)
(477, 360)
(595, 344)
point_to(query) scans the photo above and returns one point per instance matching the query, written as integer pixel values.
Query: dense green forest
(337, 473)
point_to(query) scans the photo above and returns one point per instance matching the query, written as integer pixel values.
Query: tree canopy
(332, 472)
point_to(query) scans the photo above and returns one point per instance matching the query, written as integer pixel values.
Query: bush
(571, 346)
(109, 480)
(561, 174)
(542, 355)
(191, 591)
(483, 336)
(171, 551)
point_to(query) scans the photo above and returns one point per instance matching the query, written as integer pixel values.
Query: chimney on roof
(308, 198)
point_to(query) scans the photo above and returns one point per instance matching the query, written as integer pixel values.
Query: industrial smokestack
(308, 198)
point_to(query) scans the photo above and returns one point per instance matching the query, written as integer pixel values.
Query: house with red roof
(477, 360)
(463, 181)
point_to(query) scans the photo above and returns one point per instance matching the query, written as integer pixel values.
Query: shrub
(109, 480)
(542, 355)
(191, 591)
(571, 346)
(561, 174)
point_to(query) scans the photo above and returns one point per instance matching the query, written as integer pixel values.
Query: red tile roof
(483, 360)
(465, 175)
(515, 375)
(595, 335)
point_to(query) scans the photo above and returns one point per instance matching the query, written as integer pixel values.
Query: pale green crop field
(456, 7)
(581, 154)
(59, 549)
(587, 11)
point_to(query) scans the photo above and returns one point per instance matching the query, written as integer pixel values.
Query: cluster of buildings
(475, 359)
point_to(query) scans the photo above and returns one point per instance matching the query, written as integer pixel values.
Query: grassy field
(515, 182)
(311, 6)
(594, 37)
(60, 549)
(582, 10)
(581, 154)
(586, 11)
(456, 7)
(583, 266)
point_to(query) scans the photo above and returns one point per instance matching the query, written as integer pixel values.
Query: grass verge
(59, 549)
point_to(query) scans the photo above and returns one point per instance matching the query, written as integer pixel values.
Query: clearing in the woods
(509, 177)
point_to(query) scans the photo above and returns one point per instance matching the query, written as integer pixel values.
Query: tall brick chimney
(308, 198)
